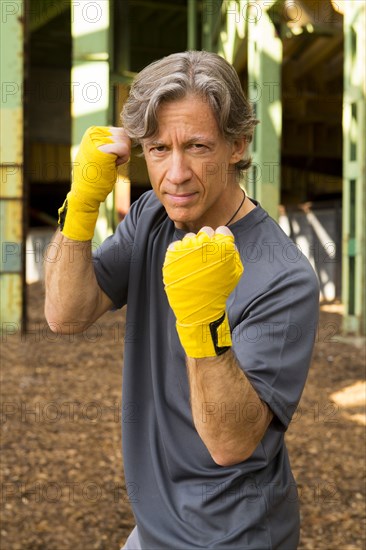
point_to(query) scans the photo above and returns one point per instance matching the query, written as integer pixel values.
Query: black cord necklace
(236, 211)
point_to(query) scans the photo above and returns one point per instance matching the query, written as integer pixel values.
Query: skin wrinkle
(181, 167)
(177, 76)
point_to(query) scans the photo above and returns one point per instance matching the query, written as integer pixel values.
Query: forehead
(189, 114)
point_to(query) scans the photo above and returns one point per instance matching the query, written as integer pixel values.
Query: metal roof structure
(66, 65)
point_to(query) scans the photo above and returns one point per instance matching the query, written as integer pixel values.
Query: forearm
(199, 273)
(74, 299)
(228, 414)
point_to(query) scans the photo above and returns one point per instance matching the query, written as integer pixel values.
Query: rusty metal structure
(66, 65)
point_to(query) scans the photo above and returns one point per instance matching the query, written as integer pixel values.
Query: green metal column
(192, 25)
(211, 12)
(354, 177)
(12, 279)
(264, 91)
(232, 33)
(90, 81)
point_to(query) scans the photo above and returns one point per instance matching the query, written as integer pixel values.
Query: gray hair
(201, 73)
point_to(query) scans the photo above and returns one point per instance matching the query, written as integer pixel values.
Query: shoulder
(270, 257)
(143, 213)
(145, 219)
(147, 202)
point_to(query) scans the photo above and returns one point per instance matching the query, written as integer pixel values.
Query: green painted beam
(247, 34)
(43, 11)
(125, 78)
(354, 169)
(151, 4)
(192, 25)
(122, 47)
(264, 91)
(90, 77)
(12, 270)
(211, 12)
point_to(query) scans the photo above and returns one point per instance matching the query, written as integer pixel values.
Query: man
(219, 356)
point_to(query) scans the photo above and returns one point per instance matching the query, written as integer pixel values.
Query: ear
(238, 148)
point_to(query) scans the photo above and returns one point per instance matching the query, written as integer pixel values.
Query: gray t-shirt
(181, 499)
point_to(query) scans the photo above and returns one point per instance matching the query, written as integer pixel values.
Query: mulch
(62, 483)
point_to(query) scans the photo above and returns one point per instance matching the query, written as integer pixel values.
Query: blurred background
(68, 65)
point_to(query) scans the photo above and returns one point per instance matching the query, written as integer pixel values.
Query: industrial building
(67, 65)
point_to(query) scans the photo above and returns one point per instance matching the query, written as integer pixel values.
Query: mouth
(181, 198)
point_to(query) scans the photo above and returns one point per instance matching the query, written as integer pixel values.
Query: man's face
(191, 166)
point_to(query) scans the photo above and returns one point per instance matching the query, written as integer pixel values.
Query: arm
(234, 397)
(74, 299)
(227, 412)
(199, 274)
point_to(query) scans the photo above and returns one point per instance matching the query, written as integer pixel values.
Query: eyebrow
(193, 139)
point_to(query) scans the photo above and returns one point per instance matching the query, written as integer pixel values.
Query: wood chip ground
(62, 484)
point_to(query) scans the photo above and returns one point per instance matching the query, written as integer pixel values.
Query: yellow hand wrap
(93, 178)
(199, 274)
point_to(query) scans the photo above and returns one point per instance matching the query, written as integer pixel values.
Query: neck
(237, 211)
(233, 209)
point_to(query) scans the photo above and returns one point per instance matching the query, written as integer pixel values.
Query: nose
(179, 170)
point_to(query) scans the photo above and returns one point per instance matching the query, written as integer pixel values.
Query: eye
(198, 147)
(158, 149)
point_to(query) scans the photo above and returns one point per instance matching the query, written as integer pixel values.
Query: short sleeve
(113, 258)
(274, 340)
